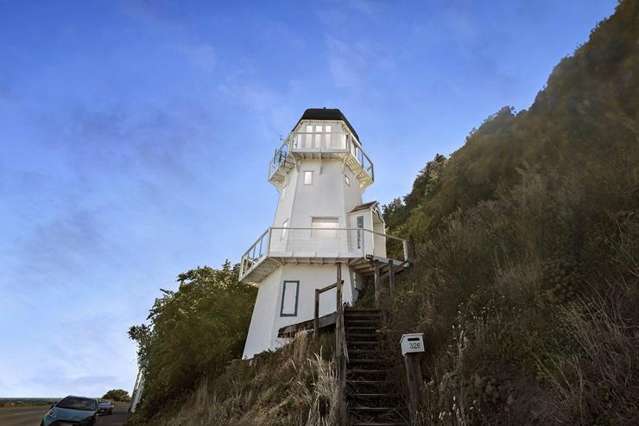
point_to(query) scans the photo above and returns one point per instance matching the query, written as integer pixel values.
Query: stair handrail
(318, 293)
(341, 351)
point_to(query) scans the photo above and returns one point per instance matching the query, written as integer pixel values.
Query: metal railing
(321, 242)
(361, 157)
(279, 159)
(334, 142)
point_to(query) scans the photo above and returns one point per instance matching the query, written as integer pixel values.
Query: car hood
(73, 415)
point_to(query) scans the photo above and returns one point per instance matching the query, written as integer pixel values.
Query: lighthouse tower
(320, 172)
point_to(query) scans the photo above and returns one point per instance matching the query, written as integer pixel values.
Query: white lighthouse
(320, 172)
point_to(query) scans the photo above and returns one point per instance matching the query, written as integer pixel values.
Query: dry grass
(597, 381)
(293, 386)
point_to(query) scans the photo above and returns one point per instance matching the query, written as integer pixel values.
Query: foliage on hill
(119, 395)
(527, 278)
(194, 333)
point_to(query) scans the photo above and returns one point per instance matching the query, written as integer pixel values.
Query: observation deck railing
(318, 142)
(333, 243)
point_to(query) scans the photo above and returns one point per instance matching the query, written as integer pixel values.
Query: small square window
(318, 129)
(308, 178)
(347, 180)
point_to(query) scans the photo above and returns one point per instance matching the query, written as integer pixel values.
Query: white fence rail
(321, 242)
(335, 142)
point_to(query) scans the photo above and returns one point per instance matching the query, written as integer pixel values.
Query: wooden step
(362, 354)
(363, 345)
(374, 361)
(364, 385)
(361, 333)
(358, 310)
(374, 395)
(363, 338)
(361, 321)
(362, 328)
(364, 371)
(373, 409)
(362, 351)
(378, 424)
(364, 314)
(367, 382)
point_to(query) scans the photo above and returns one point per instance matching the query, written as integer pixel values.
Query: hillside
(528, 256)
(526, 281)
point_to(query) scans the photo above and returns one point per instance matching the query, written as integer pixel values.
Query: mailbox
(411, 343)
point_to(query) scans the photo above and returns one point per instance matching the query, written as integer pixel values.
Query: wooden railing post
(378, 285)
(316, 318)
(391, 277)
(409, 249)
(339, 350)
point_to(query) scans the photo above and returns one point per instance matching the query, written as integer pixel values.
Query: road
(31, 416)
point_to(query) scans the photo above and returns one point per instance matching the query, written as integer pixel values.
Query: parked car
(105, 407)
(72, 410)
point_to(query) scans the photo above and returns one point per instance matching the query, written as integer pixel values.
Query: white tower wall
(327, 196)
(321, 173)
(267, 318)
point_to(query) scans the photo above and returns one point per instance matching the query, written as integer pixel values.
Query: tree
(193, 333)
(119, 395)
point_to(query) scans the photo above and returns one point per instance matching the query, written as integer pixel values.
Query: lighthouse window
(324, 227)
(309, 137)
(284, 230)
(308, 178)
(360, 226)
(290, 295)
(347, 180)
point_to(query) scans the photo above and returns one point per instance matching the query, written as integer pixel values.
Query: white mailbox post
(412, 347)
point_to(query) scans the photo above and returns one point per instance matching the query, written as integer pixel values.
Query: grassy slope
(528, 254)
(295, 385)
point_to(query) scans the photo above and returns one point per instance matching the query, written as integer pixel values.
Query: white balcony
(315, 245)
(318, 142)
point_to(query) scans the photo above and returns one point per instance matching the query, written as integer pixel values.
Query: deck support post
(316, 317)
(391, 278)
(378, 285)
(339, 350)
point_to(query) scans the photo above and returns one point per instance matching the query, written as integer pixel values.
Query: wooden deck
(324, 322)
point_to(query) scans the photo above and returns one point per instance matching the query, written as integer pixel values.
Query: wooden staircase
(371, 399)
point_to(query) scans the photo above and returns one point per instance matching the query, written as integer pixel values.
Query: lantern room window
(308, 178)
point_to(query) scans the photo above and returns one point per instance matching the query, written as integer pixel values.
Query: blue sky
(135, 137)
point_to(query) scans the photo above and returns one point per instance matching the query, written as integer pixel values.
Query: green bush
(194, 333)
(119, 395)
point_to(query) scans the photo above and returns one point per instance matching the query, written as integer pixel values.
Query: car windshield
(75, 403)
